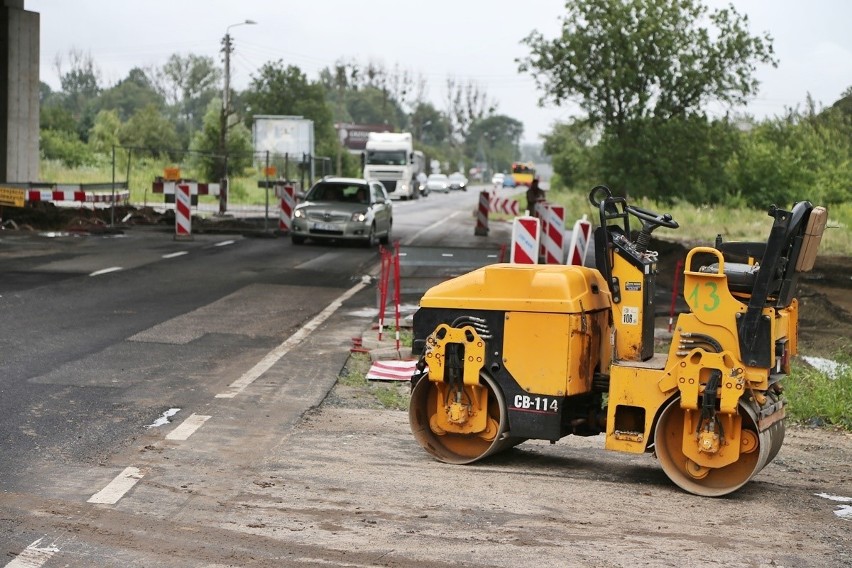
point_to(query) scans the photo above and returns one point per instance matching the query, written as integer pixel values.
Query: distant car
(497, 179)
(438, 182)
(344, 209)
(508, 181)
(458, 181)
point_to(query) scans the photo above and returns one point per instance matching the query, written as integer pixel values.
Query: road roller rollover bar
(516, 352)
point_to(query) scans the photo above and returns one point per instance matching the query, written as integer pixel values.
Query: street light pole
(227, 48)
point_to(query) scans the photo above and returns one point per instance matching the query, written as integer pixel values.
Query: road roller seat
(769, 269)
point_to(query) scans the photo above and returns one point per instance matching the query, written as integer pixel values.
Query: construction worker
(534, 195)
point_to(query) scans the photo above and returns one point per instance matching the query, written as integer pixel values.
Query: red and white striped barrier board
(526, 232)
(287, 194)
(168, 187)
(34, 195)
(481, 229)
(391, 370)
(540, 211)
(183, 213)
(580, 240)
(504, 205)
(554, 234)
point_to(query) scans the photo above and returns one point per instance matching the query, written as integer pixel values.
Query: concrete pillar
(19, 90)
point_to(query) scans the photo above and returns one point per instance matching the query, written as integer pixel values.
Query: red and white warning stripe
(580, 240)
(554, 234)
(42, 195)
(391, 370)
(526, 232)
(168, 187)
(482, 214)
(287, 194)
(183, 214)
(504, 205)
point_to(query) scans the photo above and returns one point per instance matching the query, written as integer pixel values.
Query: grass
(392, 397)
(817, 399)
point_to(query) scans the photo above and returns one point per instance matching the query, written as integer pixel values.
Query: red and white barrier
(183, 213)
(526, 233)
(287, 195)
(580, 241)
(481, 229)
(34, 195)
(168, 187)
(392, 370)
(554, 234)
(504, 205)
(540, 212)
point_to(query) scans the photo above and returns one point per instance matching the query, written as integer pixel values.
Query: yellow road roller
(514, 352)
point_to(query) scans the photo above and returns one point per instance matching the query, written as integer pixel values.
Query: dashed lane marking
(276, 354)
(188, 427)
(176, 254)
(33, 556)
(115, 490)
(223, 243)
(105, 270)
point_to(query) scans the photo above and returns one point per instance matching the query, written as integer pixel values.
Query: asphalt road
(129, 360)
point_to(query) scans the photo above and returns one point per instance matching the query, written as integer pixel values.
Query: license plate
(325, 227)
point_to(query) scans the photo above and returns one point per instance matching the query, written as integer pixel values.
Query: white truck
(390, 158)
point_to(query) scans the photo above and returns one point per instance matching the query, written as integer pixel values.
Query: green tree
(130, 95)
(105, 131)
(285, 90)
(188, 84)
(149, 129)
(498, 137)
(205, 145)
(636, 65)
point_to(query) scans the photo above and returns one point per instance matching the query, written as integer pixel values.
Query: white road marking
(33, 556)
(276, 354)
(176, 254)
(188, 427)
(116, 488)
(411, 239)
(224, 243)
(105, 271)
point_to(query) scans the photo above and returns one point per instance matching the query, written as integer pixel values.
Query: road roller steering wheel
(652, 218)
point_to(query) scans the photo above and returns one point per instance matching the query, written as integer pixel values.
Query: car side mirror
(300, 195)
(380, 200)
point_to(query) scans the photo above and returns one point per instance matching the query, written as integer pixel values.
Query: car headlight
(298, 213)
(359, 217)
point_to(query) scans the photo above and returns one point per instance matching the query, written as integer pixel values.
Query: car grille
(327, 217)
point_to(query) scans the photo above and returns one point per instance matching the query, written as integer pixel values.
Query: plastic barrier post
(183, 213)
(526, 232)
(580, 241)
(481, 229)
(554, 234)
(288, 203)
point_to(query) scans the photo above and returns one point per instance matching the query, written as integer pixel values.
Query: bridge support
(19, 88)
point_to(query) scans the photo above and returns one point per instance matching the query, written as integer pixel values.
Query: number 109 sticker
(630, 315)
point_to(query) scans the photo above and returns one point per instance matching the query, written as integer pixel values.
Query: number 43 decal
(711, 303)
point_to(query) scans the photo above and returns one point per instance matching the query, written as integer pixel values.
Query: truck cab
(390, 159)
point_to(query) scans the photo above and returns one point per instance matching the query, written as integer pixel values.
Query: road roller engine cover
(513, 352)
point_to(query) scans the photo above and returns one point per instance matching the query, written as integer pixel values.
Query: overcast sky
(475, 40)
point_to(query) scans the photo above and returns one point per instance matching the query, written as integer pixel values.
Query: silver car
(437, 182)
(348, 209)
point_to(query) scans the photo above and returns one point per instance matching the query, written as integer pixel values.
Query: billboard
(354, 136)
(292, 135)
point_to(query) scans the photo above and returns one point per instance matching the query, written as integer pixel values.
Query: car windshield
(339, 192)
(387, 157)
(437, 177)
(457, 176)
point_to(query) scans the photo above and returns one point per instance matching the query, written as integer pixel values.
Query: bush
(65, 147)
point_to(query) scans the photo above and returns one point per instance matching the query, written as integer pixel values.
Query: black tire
(297, 239)
(371, 241)
(387, 238)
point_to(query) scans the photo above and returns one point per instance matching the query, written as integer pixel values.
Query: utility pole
(227, 48)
